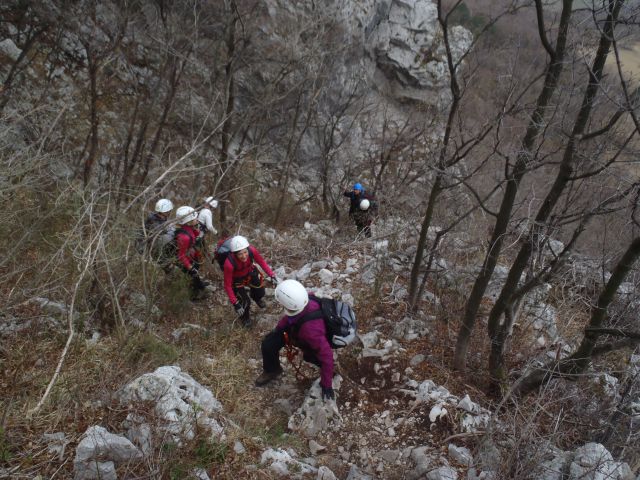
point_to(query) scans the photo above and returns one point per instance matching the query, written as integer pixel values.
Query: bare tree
(515, 172)
(566, 174)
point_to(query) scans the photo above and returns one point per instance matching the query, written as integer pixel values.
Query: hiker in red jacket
(245, 267)
(310, 336)
(188, 255)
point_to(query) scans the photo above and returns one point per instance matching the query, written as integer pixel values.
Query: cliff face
(127, 89)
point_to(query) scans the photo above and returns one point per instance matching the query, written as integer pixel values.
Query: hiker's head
(164, 207)
(239, 246)
(292, 296)
(357, 188)
(365, 204)
(186, 216)
(212, 202)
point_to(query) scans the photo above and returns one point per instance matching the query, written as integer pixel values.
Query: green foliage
(175, 294)
(147, 348)
(5, 450)
(203, 453)
(276, 434)
(209, 452)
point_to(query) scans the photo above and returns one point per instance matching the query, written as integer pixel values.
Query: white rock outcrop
(472, 417)
(180, 404)
(315, 414)
(284, 464)
(407, 46)
(594, 462)
(98, 453)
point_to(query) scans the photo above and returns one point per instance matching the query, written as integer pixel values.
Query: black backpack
(339, 320)
(222, 251)
(170, 249)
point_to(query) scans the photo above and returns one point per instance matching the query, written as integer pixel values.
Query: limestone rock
(356, 474)
(181, 405)
(326, 276)
(199, 474)
(57, 443)
(315, 415)
(99, 451)
(460, 455)
(443, 473)
(284, 464)
(594, 462)
(324, 473)
(315, 448)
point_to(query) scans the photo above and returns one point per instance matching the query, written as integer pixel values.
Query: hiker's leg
(256, 286)
(311, 358)
(243, 297)
(271, 346)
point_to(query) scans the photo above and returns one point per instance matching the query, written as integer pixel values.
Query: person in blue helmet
(356, 195)
(360, 211)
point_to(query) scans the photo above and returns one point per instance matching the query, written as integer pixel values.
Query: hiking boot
(246, 322)
(267, 377)
(261, 303)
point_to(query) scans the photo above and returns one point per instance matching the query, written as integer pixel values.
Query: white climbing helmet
(292, 296)
(365, 204)
(212, 202)
(238, 243)
(164, 205)
(185, 215)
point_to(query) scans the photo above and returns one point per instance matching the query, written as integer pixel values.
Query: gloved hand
(193, 271)
(327, 393)
(239, 308)
(274, 281)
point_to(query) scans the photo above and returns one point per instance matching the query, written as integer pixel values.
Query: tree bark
(523, 159)
(498, 333)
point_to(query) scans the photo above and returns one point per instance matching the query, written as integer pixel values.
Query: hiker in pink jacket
(305, 328)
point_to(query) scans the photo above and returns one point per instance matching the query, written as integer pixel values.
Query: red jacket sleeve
(182, 242)
(228, 281)
(260, 261)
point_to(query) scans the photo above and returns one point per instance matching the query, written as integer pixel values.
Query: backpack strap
(309, 316)
(305, 318)
(180, 230)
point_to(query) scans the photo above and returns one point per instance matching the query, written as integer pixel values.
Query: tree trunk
(499, 333)
(535, 128)
(227, 126)
(422, 240)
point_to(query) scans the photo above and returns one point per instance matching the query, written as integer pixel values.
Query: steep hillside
(497, 155)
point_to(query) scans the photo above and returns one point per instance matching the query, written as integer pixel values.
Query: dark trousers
(255, 292)
(272, 343)
(197, 285)
(364, 227)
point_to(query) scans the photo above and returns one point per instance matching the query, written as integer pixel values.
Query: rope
(291, 352)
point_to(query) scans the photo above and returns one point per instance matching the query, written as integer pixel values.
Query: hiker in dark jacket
(363, 217)
(310, 337)
(156, 232)
(355, 195)
(188, 256)
(245, 267)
